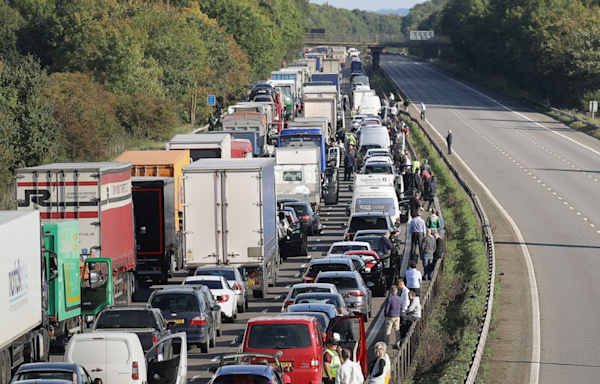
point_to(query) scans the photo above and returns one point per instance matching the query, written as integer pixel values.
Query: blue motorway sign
(211, 100)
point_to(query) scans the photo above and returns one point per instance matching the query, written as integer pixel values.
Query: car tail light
(154, 339)
(308, 279)
(75, 378)
(314, 363)
(237, 286)
(348, 236)
(305, 217)
(198, 320)
(288, 302)
(135, 372)
(223, 298)
(356, 293)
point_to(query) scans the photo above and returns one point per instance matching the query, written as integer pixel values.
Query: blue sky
(369, 5)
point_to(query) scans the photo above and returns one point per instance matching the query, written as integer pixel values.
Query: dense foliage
(548, 47)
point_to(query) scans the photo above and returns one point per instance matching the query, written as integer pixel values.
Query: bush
(144, 117)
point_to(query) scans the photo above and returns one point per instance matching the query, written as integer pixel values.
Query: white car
(340, 247)
(235, 280)
(221, 290)
(306, 288)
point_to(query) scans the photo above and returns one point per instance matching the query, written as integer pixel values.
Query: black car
(188, 309)
(308, 218)
(368, 220)
(294, 241)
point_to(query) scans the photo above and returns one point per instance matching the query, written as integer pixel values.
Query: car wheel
(246, 303)
(219, 332)
(257, 294)
(213, 340)
(310, 231)
(234, 316)
(241, 308)
(204, 347)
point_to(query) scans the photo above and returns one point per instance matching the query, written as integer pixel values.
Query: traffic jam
(241, 254)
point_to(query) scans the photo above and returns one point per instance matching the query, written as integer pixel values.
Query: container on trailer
(203, 146)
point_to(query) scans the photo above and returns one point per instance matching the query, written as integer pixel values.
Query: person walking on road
(428, 248)
(403, 293)
(449, 141)
(349, 372)
(384, 245)
(416, 229)
(392, 311)
(429, 191)
(433, 222)
(415, 204)
(423, 109)
(439, 248)
(413, 279)
(380, 368)
(413, 313)
(349, 162)
(331, 362)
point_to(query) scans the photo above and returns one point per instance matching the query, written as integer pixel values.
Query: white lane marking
(535, 300)
(195, 378)
(297, 275)
(289, 286)
(265, 310)
(215, 358)
(406, 255)
(233, 342)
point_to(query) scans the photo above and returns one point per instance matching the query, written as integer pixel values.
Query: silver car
(354, 290)
(235, 280)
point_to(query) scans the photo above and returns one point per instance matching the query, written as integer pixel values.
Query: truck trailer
(203, 146)
(230, 218)
(98, 195)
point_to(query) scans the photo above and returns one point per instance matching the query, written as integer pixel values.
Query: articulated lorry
(98, 195)
(215, 146)
(247, 125)
(43, 295)
(231, 218)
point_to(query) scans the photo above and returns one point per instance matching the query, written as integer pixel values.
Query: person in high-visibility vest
(331, 362)
(381, 371)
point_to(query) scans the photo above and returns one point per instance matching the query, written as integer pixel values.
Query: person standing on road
(349, 162)
(413, 279)
(428, 248)
(384, 245)
(406, 104)
(394, 112)
(403, 293)
(392, 311)
(415, 205)
(425, 166)
(439, 248)
(399, 159)
(430, 190)
(380, 368)
(349, 372)
(416, 229)
(346, 102)
(449, 141)
(423, 109)
(417, 181)
(433, 222)
(331, 362)
(413, 313)
(392, 97)
(352, 113)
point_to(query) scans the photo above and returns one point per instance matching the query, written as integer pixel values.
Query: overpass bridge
(375, 43)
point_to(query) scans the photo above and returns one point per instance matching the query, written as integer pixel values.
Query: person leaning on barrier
(381, 368)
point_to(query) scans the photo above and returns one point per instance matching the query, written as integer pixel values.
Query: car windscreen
(322, 318)
(298, 291)
(242, 378)
(212, 284)
(176, 302)
(365, 148)
(316, 299)
(371, 204)
(227, 274)
(125, 319)
(316, 268)
(372, 240)
(45, 375)
(299, 208)
(340, 282)
(279, 336)
(378, 170)
(359, 223)
(341, 249)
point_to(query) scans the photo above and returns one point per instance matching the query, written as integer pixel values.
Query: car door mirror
(240, 338)
(212, 369)
(397, 224)
(367, 270)
(370, 284)
(323, 253)
(344, 225)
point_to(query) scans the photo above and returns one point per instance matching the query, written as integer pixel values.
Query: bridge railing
(365, 39)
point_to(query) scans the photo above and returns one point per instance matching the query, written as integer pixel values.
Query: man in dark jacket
(384, 245)
(449, 141)
(439, 248)
(415, 204)
(349, 162)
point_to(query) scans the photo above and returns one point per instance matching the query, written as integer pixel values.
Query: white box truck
(23, 300)
(322, 107)
(230, 212)
(216, 146)
(298, 174)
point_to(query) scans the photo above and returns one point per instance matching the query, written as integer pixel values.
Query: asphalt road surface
(546, 177)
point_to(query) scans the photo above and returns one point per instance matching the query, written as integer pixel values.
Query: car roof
(216, 268)
(312, 285)
(326, 261)
(367, 214)
(113, 308)
(318, 294)
(342, 243)
(275, 319)
(45, 381)
(342, 257)
(353, 253)
(254, 369)
(314, 306)
(70, 367)
(361, 232)
(337, 274)
(204, 278)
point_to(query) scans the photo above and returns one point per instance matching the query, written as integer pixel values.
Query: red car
(298, 343)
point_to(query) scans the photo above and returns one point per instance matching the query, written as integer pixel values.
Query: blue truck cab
(305, 137)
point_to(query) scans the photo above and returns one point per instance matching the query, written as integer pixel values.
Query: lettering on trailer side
(17, 286)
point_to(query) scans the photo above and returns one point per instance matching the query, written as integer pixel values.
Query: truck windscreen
(300, 141)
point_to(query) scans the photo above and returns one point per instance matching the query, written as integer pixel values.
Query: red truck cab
(298, 343)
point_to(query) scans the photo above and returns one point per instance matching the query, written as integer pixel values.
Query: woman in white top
(381, 372)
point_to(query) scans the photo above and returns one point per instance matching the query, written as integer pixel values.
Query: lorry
(339, 53)
(246, 125)
(358, 95)
(298, 174)
(290, 96)
(287, 75)
(334, 78)
(215, 146)
(311, 62)
(159, 246)
(321, 107)
(356, 66)
(275, 121)
(40, 288)
(98, 195)
(332, 66)
(241, 148)
(231, 218)
(307, 132)
(319, 57)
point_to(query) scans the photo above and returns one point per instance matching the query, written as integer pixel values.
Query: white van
(370, 105)
(118, 358)
(374, 137)
(376, 199)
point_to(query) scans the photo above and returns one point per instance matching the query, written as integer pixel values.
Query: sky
(370, 5)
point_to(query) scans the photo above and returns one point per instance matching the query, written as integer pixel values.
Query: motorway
(546, 178)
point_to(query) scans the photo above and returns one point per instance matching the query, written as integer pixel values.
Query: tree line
(547, 47)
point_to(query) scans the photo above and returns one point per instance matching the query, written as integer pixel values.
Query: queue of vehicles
(95, 231)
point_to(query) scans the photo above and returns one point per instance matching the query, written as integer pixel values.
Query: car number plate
(250, 282)
(285, 364)
(176, 321)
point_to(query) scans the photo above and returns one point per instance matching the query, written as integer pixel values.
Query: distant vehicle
(146, 322)
(252, 374)
(317, 266)
(379, 167)
(328, 309)
(295, 242)
(341, 247)
(41, 372)
(357, 294)
(374, 273)
(369, 220)
(235, 280)
(110, 354)
(336, 299)
(323, 318)
(298, 289)
(221, 290)
(309, 219)
(190, 310)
